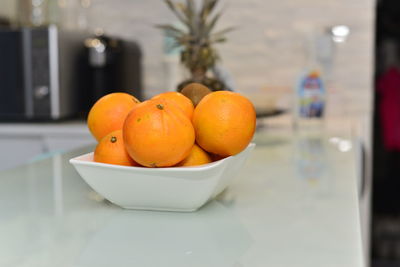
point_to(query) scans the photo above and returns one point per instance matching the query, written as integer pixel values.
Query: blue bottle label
(311, 93)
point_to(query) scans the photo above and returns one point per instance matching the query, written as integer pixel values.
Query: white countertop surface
(294, 204)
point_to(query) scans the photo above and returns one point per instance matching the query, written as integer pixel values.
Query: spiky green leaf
(191, 7)
(207, 8)
(209, 27)
(218, 40)
(172, 6)
(222, 32)
(189, 16)
(197, 41)
(170, 29)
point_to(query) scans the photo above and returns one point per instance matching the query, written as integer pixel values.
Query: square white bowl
(167, 189)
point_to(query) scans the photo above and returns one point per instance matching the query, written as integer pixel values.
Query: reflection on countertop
(293, 204)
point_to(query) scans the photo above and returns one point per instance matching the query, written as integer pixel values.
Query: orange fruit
(180, 100)
(197, 156)
(158, 134)
(224, 123)
(111, 150)
(109, 112)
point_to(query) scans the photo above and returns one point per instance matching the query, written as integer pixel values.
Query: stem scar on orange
(111, 150)
(158, 134)
(109, 112)
(224, 122)
(180, 100)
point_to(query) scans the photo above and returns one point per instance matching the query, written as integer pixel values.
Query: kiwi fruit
(195, 92)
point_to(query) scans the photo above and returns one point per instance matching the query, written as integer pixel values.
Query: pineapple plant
(197, 39)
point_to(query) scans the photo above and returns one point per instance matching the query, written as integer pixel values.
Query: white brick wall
(267, 49)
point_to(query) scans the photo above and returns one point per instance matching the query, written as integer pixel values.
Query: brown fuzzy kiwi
(195, 92)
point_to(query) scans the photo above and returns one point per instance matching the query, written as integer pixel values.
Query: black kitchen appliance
(112, 65)
(52, 74)
(38, 73)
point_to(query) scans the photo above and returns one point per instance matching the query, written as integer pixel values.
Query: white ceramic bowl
(168, 189)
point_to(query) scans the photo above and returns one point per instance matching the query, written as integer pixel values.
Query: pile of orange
(168, 130)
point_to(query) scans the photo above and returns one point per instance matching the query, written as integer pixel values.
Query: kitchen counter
(294, 203)
(38, 138)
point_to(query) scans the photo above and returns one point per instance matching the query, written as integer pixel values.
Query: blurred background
(57, 57)
(266, 51)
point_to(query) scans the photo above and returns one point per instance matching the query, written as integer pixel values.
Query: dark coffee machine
(110, 65)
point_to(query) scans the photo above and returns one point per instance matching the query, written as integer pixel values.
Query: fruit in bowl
(109, 112)
(157, 133)
(157, 143)
(111, 150)
(168, 189)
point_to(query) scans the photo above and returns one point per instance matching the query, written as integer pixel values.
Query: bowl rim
(79, 161)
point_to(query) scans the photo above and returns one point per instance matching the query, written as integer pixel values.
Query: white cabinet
(22, 142)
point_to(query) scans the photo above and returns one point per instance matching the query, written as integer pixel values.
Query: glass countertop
(294, 203)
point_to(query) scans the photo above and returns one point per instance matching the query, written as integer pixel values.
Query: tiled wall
(268, 48)
(266, 52)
